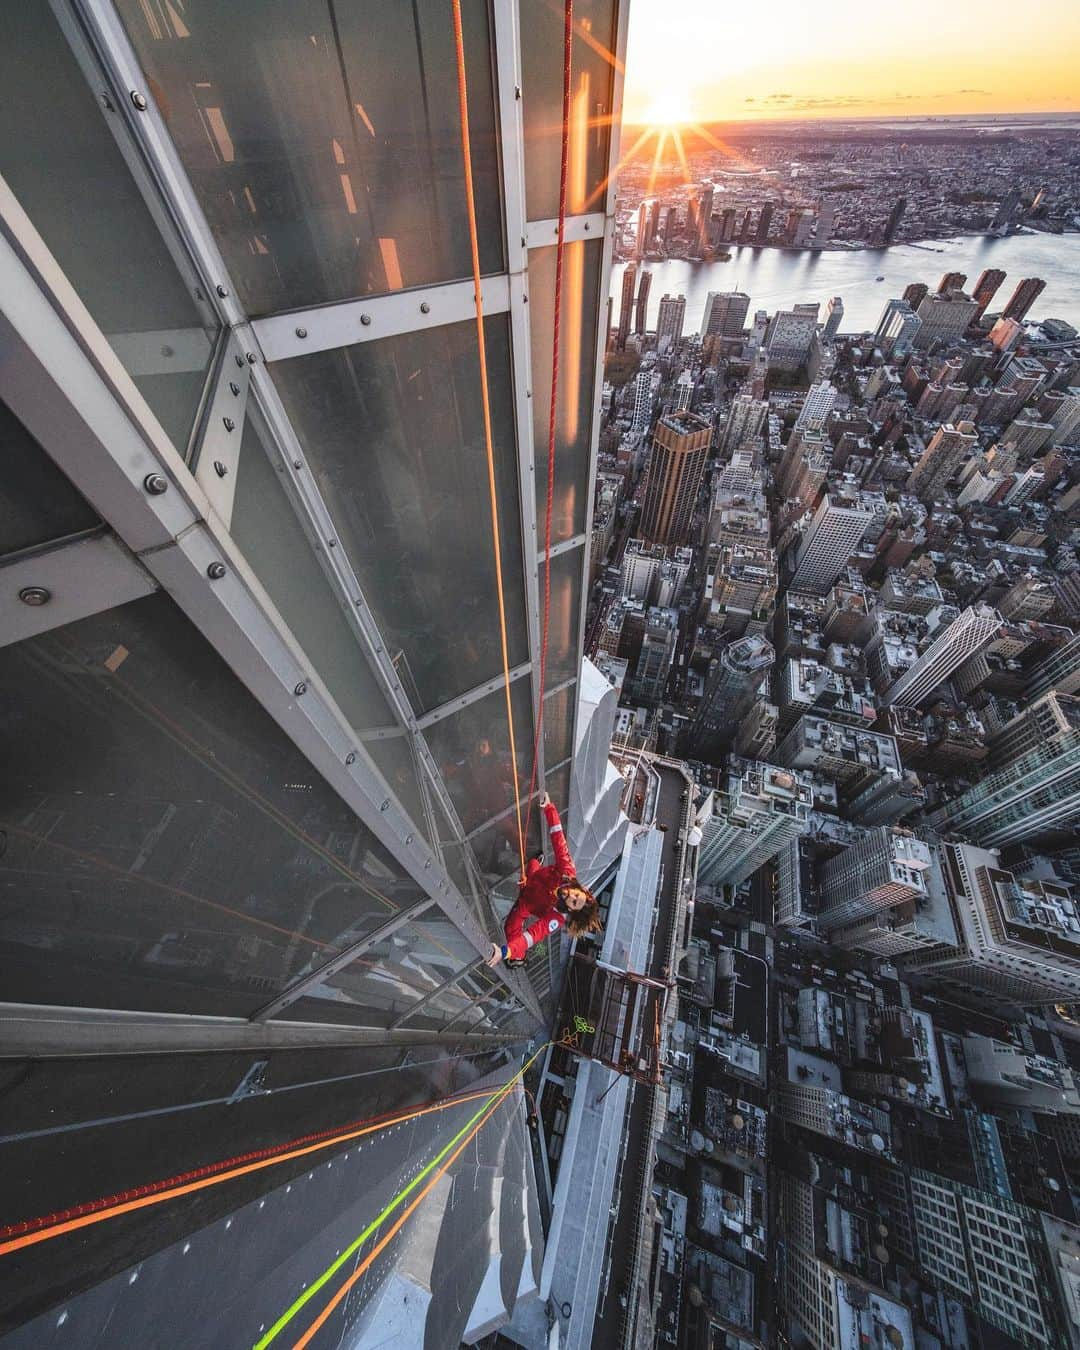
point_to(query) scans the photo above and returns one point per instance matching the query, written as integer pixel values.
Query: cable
(568, 40)
(470, 199)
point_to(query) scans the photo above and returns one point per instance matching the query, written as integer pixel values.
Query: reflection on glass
(322, 139)
(592, 68)
(577, 365)
(387, 979)
(495, 848)
(564, 652)
(394, 433)
(472, 750)
(62, 163)
(558, 785)
(168, 848)
(37, 502)
(559, 724)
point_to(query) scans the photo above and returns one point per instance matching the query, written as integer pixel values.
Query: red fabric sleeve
(538, 931)
(563, 860)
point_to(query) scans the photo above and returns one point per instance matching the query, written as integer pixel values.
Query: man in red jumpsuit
(550, 898)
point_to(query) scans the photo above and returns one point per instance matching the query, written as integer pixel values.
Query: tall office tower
(656, 655)
(1005, 1262)
(1035, 795)
(744, 422)
(892, 307)
(791, 332)
(823, 226)
(1061, 408)
(887, 800)
(946, 452)
(833, 535)
(817, 405)
(641, 313)
(642, 242)
(892, 224)
(645, 384)
(740, 587)
(725, 314)
(1017, 938)
(804, 229)
(761, 234)
(1021, 300)
(684, 392)
(669, 323)
(964, 638)
(886, 867)
(704, 218)
(1060, 671)
(731, 687)
(228, 884)
(654, 222)
(834, 312)
(626, 305)
(653, 574)
(951, 281)
(827, 1309)
(851, 757)
(758, 810)
(915, 293)
(944, 318)
(986, 288)
(680, 447)
(898, 329)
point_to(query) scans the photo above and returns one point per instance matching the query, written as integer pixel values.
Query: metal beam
(454, 705)
(339, 962)
(343, 324)
(51, 1032)
(50, 587)
(545, 233)
(451, 980)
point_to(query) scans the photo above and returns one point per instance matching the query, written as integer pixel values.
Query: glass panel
(577, 366)
(472, 749)
(564, 652)
(389, 977)
(267, 528)
(322, 140)
(558, 786)
(495, 849)
(62, 163)
(592, 65)
(168, 848)
(38, 503)
(559, 724)
(394, 433)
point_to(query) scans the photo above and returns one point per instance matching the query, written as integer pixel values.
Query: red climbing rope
(568, 36)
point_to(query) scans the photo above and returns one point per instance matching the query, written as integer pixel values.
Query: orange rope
(568, 41)
(466, 149)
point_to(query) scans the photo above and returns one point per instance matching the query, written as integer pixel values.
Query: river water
(777, 278)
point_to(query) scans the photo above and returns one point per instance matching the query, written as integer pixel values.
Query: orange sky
(700, 60)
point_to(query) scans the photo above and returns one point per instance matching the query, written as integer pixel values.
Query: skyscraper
(643, 239)
(744, 422)
(642, 311)
(645, 382)
(883, 868)
(986, 288)
(833, 535)
(1060, 670)
(626, 305)
(1021, 300)
(1035, 795)
(947, 450)
(669, 323)
(817, 405)
(944, 317)
(823, 227)
(951, 281)
(732, 685)
(725, 314)
(791, 332)
(704, 218)
(892, 224)
(967, 635)
(249, 385)
(761, 234)
(758, 811)
(834, 312)
(679, 449)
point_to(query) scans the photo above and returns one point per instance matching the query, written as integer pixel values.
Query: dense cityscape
(837, 574)
(844, 186)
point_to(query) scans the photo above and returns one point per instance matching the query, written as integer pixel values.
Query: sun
(669, 109)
